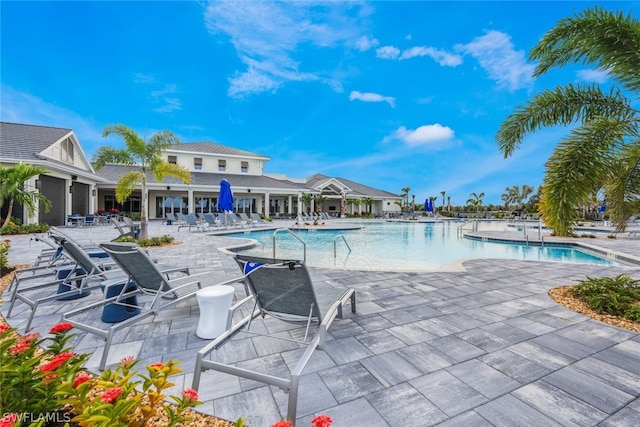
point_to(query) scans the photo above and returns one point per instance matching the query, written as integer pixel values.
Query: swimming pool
(381, 245)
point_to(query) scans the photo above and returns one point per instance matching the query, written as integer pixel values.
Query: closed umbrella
(225, 199)
(428, 205)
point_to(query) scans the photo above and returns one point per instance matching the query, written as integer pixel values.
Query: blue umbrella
(428, 205)
(603, 207)
(225, 199)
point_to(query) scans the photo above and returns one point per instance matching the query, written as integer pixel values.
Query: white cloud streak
(266, 36)
(594, 76)
(442, 57)
(371, 97)
(496, 54)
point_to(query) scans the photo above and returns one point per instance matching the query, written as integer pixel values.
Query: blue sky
(389, 94)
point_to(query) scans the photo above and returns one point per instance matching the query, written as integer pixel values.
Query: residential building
(75, 187)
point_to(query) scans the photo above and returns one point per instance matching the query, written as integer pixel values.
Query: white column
(267, 205)
(290, 209)
(190, 203)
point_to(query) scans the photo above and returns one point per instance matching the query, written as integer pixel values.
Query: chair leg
(292, 406)
(105, 351)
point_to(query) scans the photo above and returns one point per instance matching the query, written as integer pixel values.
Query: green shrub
(618, 296)
(125, 239)
(156, 241)
(4, 254)
(13, 228)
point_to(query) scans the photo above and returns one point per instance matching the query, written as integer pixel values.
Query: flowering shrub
(317, 421)
(117, 398)
(4, 253)
(39, 384)
(31, 375)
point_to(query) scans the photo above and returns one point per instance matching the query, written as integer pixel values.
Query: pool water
(381, 245)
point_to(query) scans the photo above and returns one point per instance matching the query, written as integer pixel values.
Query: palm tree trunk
(9, 212)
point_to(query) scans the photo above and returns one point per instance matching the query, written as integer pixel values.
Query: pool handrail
(304, 245)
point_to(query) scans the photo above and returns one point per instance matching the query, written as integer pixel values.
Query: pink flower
(283, 423)
(49, 377)
(321, 421)
(19, 348)
(126, 361)
(60, 327)
(158, 366)
(4, 328)
(190, 394)
(110, 395)
(8, 420)
(81, 378)
(30, 337)
(57, 361)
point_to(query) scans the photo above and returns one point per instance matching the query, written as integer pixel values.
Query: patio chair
(123, 233)
(182, 220)
(244, 218)
(283, 290)
(212, 221)
(256, 218)
(150, 281)
(192, 222)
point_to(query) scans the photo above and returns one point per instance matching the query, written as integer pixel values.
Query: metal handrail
(474, 227)
(304, 245)
(335, 252)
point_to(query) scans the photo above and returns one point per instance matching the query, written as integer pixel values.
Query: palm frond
(107, 154)
(135, 145)
(561, 106)
(607, 39)
(127, 183)
(163, 169)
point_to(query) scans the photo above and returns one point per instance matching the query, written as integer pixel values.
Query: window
(222, 165)
(173, 160)
(66, 152)
(244, 167)
(197, 163)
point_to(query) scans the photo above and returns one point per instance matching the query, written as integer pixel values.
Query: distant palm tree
(369, 202)
(603, 150)
(405, 195)
(443, 193)
(146, 156)
(517, 195)
(320, 199)
(475, 200)
(12, 188)
(306, 200)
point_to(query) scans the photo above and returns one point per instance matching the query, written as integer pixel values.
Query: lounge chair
(150, 281)
(192, 222)
(121, 229)
(256, 219)
(181, 218)
(283, 290)
(212, 220)
(244, 218)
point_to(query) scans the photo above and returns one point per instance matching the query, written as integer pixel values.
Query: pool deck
(482, 347)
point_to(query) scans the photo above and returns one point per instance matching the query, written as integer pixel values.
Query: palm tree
(603, 150)
(369, 202)
(475, 200)
(12, 188)
(443, 193)
(405, 195)
(517, 195)
(320, 199)
(147, 156)
(306, 200)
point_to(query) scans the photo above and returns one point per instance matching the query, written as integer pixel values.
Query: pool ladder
(304, 245)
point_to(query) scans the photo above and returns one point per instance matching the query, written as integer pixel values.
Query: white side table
(214, 303)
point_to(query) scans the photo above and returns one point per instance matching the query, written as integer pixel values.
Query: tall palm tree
(147, 156)
(12, 188)
(320, 199)
(517, 195)
(405, 195)
(443, 193)
(306, 200)
(603, 150)
(475, 200)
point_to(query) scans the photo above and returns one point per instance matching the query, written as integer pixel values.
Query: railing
(474, 226)
(335, 239)
(304, 245)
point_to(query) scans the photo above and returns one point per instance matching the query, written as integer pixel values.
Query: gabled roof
(356, 189)
(112, 173)
(213, 148)
(25, 142)
(34, 144)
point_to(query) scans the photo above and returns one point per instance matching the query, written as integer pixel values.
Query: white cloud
(371, 97)
(496, 54)
(388, 52)
(594, 76)
(365, 43)
(440, 56)
(266, 37)
(168, 104)
(423, 135)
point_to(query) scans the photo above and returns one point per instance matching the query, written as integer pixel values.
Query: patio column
(190, 203)
(267, 205)
(290, 208)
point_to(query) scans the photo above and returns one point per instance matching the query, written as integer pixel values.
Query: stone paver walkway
(485, 346)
